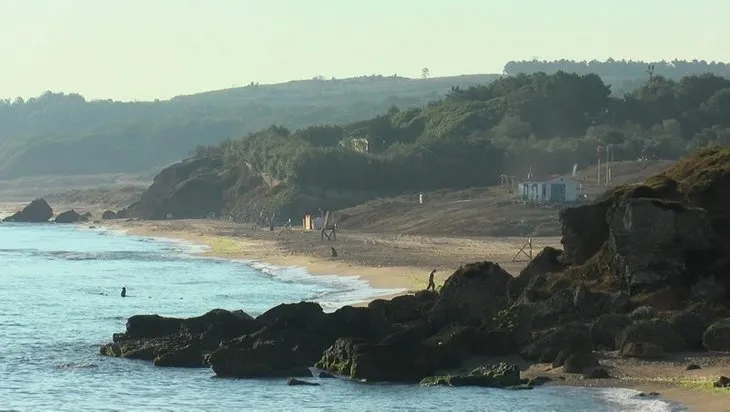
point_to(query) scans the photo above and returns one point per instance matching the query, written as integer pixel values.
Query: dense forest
(620, 69)
(64, 134)
(473, 135)
(623, 75)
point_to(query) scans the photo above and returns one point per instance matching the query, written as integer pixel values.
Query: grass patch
(697, 384)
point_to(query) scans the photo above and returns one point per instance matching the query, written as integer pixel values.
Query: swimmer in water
(124, 291)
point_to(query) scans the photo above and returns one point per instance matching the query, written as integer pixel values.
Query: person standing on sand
(431, 284)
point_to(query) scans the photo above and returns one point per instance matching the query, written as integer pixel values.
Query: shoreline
(684, 389)
(383, 261)
(691, 390)
(394, 281)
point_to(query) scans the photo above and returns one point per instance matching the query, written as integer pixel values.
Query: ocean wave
(630, 400)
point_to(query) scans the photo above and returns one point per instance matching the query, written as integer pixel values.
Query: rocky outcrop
(69, 216)
(605, 329)
(109, 215)
(36, 212)
(378, 362)
(717, 336)
(644, 271)
(656, 332)
(546, 262)
(193, 188)
(502, 375)
(473, 293)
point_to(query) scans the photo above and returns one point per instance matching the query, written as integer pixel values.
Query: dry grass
(480, 211)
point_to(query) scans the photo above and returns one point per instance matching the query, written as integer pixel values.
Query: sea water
(60, 300)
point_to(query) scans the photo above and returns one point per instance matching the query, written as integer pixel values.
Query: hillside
(468, 139)
(64, 134)
(488, 211)
(58, 134)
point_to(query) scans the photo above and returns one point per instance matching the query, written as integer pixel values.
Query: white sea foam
(629, 400)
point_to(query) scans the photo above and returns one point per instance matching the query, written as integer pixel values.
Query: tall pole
(598, 154)
(608, 163)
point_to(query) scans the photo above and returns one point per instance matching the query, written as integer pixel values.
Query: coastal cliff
(644, 272)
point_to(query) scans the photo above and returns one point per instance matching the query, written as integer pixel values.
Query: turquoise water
(59, 300)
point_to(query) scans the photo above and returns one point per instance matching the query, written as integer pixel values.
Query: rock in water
(378, 362)
(69, 216)
(36, 212)
(297, 382)
(502, 375)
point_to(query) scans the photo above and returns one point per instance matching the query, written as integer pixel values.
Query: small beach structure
(559, 190)
(329, 226)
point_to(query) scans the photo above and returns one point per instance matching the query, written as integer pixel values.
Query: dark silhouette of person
(124, 291)
(431, 284)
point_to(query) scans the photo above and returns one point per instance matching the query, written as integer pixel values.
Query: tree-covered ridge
(475, 134)
(620, 69)
(623, 75)
(58, 133)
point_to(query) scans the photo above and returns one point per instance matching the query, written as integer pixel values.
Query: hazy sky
(146, 49)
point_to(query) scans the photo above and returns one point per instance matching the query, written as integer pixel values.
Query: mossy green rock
(502, 375)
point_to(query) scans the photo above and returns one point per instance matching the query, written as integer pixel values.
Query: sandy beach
(384, 261)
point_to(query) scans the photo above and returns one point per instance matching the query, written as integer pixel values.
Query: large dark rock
(580, 363)
(452, 345)
(190, 356)
(606, 329)
(656, 332)
(539, 315)
(109, 215)
(175, 350)
(584, 230)
(589, 304)
(641, 350)
(690, 326)
(658, 243)
(717, 336)
(545, 262)
(474, 293)
(359, 359)
(213, 327)
(294, 314)
(267, 353)
(546, 345)
(37, 211)
(502, 375)
(69, 216)
(292, 339)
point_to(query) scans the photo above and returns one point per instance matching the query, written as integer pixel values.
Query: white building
(560, 190)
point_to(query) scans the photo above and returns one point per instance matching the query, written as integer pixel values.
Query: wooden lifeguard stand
(329, 226)
(524, 251)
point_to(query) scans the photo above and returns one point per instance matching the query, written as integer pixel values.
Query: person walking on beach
(431, 284)
(124, 291)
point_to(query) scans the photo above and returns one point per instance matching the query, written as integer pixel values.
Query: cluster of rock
(39, 211)
(405, 339)
(644, 271)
